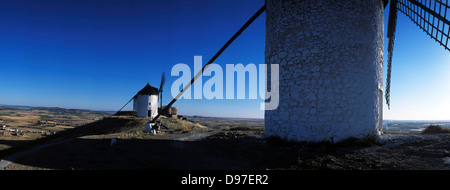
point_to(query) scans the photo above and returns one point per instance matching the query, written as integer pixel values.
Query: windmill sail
(160, 90)
(432, 16)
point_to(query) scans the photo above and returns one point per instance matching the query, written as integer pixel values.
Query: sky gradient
(98, 54)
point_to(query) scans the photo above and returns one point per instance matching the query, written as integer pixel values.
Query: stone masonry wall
(330, 55)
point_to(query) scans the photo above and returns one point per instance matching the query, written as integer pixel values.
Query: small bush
(433, 129)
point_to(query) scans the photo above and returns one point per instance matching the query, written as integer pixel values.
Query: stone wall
(330, 56)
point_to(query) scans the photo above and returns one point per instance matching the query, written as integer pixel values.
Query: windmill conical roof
(148, 90)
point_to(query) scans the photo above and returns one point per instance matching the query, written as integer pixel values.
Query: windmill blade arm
(163, 80)
(239, 32)
(431, 16)
(392, 25)
(124, 105)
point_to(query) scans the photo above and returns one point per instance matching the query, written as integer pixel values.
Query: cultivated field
(18, 125)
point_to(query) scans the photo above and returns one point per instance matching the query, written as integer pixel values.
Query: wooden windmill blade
(163, 80)
(218, 53)
(392, 25)
(432, 16)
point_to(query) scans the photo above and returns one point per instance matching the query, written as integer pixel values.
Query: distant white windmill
(145, 102)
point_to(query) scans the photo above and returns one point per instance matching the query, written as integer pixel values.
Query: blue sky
(98, 54)
(420, 85)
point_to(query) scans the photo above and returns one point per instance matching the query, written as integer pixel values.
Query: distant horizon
(230, 117)
(27, 106)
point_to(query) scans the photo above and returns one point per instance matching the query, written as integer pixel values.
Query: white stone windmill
(145, 102)
(330, 55)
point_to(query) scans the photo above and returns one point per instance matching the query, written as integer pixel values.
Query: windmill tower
(145, 102)
(330, 56)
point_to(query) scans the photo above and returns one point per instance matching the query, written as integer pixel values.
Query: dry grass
(183, 126)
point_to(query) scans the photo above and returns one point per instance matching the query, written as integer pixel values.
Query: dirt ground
(235, 150)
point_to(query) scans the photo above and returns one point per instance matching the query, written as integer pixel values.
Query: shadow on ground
(136, 154)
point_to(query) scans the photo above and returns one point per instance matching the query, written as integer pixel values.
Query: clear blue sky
(98, 54)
